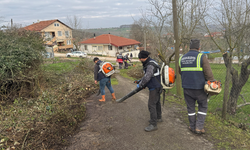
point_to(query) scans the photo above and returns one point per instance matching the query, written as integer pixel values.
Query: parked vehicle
(76, 54)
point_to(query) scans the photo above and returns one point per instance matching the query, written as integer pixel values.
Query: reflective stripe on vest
(180, 60)
(158, 70)
(197, 68)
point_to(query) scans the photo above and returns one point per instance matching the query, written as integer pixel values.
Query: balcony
(62, 48)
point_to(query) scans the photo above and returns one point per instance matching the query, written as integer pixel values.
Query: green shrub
(21, 54)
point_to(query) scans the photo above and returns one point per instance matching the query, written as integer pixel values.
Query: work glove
(137, 86)
(137, 81)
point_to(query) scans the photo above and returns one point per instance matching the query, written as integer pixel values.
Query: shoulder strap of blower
(156, 67)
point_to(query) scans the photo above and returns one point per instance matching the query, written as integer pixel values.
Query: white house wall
(112, 52)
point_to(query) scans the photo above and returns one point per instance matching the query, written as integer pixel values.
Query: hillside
(123, 32)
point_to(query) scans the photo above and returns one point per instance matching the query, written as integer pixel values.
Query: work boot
(197, 131)
(103, 99)
(190, 129)
(113, 96)
(151, 128)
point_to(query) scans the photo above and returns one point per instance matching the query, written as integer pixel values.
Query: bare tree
(157, 18)
(190, 15)
(137, 30)
(78, 32)
(233, 18)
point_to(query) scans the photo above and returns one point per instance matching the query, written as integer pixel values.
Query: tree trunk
(226, 93)
(237, 83)
(177, 44)
(232, 102)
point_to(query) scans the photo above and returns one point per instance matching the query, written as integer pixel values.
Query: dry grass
(46, 119)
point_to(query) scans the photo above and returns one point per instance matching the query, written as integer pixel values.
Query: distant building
(55, 33)
(214, 34)
(111, 45)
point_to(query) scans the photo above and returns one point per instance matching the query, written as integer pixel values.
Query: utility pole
(176, 45)
(11, 23)
(145, 41)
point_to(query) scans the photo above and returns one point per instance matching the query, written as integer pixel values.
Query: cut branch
(248, 103)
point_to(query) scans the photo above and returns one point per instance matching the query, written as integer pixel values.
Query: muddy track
(120, 126)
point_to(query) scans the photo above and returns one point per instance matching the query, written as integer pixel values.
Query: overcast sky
(94, 13)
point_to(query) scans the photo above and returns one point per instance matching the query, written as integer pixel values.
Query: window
(86, 47)
(99, 48)
(59, 33)
(68, 42)
(47, 35)
(109, 47)
(120, 47)
(56, 24)
(67, 33)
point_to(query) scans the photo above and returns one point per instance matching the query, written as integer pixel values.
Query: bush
(21, 54)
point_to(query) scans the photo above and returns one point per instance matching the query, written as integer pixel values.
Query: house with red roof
(214, 34)
(111, 45)
(55, 33)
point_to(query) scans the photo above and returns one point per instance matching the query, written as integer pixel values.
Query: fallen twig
(25, 139)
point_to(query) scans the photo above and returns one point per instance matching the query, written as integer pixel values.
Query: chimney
(94, 35)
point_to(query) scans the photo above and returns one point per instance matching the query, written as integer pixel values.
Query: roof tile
(39, 25)
(111, 39)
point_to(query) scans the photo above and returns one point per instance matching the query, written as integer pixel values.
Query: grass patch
(123, 72)
(61, 67)
(114, 81)
(134, 72)
(225, 135)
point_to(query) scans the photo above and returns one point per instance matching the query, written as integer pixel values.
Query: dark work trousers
(191, 95)
(120, 65)
(126, 65)
(154, 105)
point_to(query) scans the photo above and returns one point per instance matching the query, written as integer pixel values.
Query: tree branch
(242, 97)
(238, 106)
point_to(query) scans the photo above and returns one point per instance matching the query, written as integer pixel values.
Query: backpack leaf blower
(129, 95)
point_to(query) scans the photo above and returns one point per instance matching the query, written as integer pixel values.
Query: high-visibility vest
(191, 70)
(155, 81)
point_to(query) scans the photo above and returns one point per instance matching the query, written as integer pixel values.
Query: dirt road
(120, 126)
